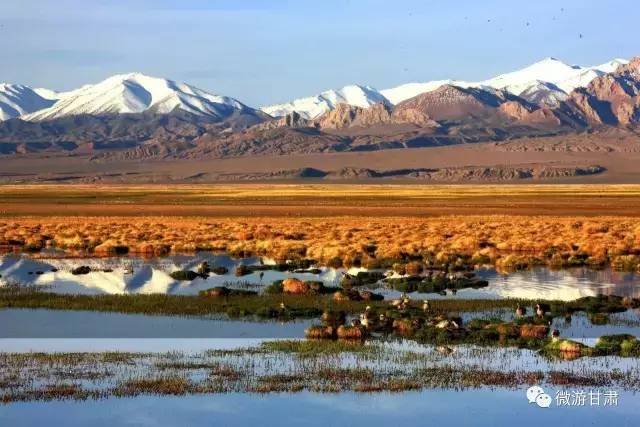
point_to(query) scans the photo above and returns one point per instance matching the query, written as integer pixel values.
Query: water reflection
(117, 275)
(134, 345)
(565, 285)
(430, 407)
(26, 323)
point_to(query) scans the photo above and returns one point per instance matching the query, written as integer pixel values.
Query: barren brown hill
(87, 133)
(612, 99)
(455, 103)
(345, 116)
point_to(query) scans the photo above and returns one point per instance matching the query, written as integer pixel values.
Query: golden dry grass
(201, 192)
(507, 241)
(508, 225)
(318, 200)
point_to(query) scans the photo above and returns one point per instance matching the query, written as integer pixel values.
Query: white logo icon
(537, 395)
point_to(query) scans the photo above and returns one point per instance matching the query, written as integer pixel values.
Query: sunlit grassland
(447, 224)
(274, 193)
(509, 242)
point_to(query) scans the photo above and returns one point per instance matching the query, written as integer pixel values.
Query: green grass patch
(266, 306)
(317, 347)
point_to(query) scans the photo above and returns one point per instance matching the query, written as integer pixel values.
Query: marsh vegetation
(291, 366)
(363, 342)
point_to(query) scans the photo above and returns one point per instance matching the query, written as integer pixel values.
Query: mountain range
(137, 93)
(134, 116)
(550, 80)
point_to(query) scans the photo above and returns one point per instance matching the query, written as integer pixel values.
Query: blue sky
(263, 52)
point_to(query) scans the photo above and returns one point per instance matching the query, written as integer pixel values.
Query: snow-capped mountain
(551, 70)
(558, 78)
(543, 94)
(16, 100)
(546, 82)
(314, 106)
(137, 93)
(400, 93)
(49, 94)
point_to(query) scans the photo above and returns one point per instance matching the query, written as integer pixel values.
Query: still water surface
(481, 407)
(118, 275)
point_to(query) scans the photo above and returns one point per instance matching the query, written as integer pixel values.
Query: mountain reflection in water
(119, 275)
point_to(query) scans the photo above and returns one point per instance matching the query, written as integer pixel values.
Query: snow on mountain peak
(16, 100)
(546, 82)
(314, 106)
(561, 77)
(137, 93)
(548, 70)
(611, 66)
(48, 93)
(403, 92)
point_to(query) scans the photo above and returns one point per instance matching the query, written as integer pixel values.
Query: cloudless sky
(267, 51)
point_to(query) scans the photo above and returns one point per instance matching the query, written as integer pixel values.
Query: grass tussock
(161, 386)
